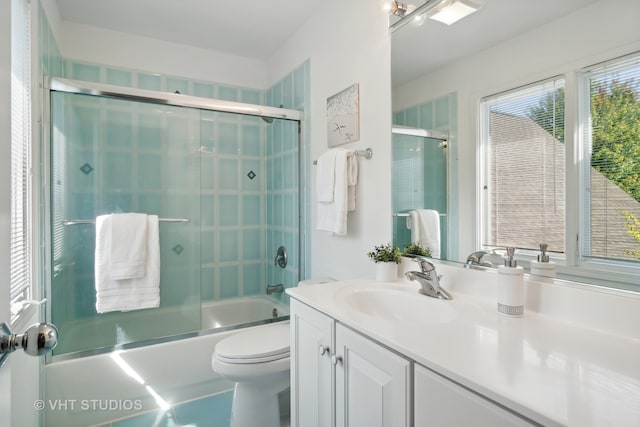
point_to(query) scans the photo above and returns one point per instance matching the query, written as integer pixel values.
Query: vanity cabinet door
(311, 368)
(372, 383)
(440, 402)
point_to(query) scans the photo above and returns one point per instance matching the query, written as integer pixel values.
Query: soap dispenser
(510, 286)
(543, 267)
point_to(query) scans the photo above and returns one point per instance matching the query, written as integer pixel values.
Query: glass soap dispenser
(510, 286)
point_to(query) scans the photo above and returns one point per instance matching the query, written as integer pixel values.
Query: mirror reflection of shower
(419, 179)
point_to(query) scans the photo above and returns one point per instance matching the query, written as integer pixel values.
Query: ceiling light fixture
(398, 9)
(450, 11)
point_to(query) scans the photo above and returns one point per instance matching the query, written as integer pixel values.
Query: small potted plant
(387, 257)
(407, 263)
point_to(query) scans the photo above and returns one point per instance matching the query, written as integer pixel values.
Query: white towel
(126, 294)
(352, 181)
(128, 249)
(325, 176)
(425, 228)
(333, 216)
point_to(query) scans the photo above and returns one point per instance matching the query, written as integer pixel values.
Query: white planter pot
(386, 271)
(407, 264)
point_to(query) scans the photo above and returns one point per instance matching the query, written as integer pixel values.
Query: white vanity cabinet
(439, 401)
(312, 373)
(340, 378)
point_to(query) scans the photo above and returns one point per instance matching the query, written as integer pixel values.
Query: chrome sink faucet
(475, 259)
(428, 278)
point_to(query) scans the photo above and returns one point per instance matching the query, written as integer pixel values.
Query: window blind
(524, 204)
(20, 275)
(610, 116)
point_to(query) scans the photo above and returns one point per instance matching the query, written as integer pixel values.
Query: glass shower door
(113, 156)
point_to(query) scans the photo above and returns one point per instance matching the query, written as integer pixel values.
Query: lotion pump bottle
(510, 286)
(543, 267)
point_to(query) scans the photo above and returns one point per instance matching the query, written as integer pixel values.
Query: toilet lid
(259, 344)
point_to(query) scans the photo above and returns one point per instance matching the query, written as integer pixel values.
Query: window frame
(574, 264)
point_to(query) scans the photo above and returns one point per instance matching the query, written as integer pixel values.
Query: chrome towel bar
(367, 154)
(93, 221)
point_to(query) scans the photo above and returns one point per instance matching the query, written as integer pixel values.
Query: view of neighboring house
(527, 193)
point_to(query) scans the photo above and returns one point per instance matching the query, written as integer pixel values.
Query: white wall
(100, 46)
(590, 35)
(348, 42)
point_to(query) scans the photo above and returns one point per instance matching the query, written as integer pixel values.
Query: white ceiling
(249, 28)
(257, 28)
(417, 50)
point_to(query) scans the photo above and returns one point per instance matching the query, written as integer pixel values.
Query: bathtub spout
(275, 288)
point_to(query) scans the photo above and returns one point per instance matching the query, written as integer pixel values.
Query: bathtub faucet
(275, 288)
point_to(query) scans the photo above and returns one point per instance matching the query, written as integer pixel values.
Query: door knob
(37, 340)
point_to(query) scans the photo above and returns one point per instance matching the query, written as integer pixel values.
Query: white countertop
(549, 369)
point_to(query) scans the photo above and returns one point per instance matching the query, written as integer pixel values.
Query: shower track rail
(175, 99)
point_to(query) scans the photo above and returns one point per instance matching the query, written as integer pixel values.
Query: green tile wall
(286, 161)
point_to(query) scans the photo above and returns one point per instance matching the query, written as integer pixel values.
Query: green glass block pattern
(228, 210)
(177, 85)
(228, 93)
(86, 72)
(203, 90)
(229, 279)
(149, 81)
(119, 77)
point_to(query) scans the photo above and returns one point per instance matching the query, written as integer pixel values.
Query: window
(524, 152)
(20, 282)
(610, 172)
(529, 171)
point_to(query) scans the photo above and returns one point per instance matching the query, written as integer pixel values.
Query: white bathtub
(178, 370)
(112, 329)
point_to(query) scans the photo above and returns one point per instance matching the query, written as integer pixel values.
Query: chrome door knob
(336, 359)
(38, 339)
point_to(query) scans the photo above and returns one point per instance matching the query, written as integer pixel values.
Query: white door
(372, 383)
(20, 377)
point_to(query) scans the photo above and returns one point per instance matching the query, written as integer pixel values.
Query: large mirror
(441, 72)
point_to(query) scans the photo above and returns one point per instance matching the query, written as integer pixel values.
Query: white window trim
(617, 274)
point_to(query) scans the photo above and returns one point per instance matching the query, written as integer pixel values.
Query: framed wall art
(343, 121)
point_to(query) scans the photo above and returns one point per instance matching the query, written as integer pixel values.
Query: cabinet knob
(324, 349)
(336, 359)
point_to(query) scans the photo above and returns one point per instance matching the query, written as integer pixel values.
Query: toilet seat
(259, 345)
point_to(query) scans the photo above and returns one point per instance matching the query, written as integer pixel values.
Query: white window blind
(20, 282)
(611, 171)
(524, 152)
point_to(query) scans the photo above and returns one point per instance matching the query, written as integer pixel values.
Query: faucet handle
(425, 265)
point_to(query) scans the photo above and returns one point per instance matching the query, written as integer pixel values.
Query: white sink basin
(399, 305)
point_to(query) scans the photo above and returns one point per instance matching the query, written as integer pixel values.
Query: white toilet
(257, 360)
